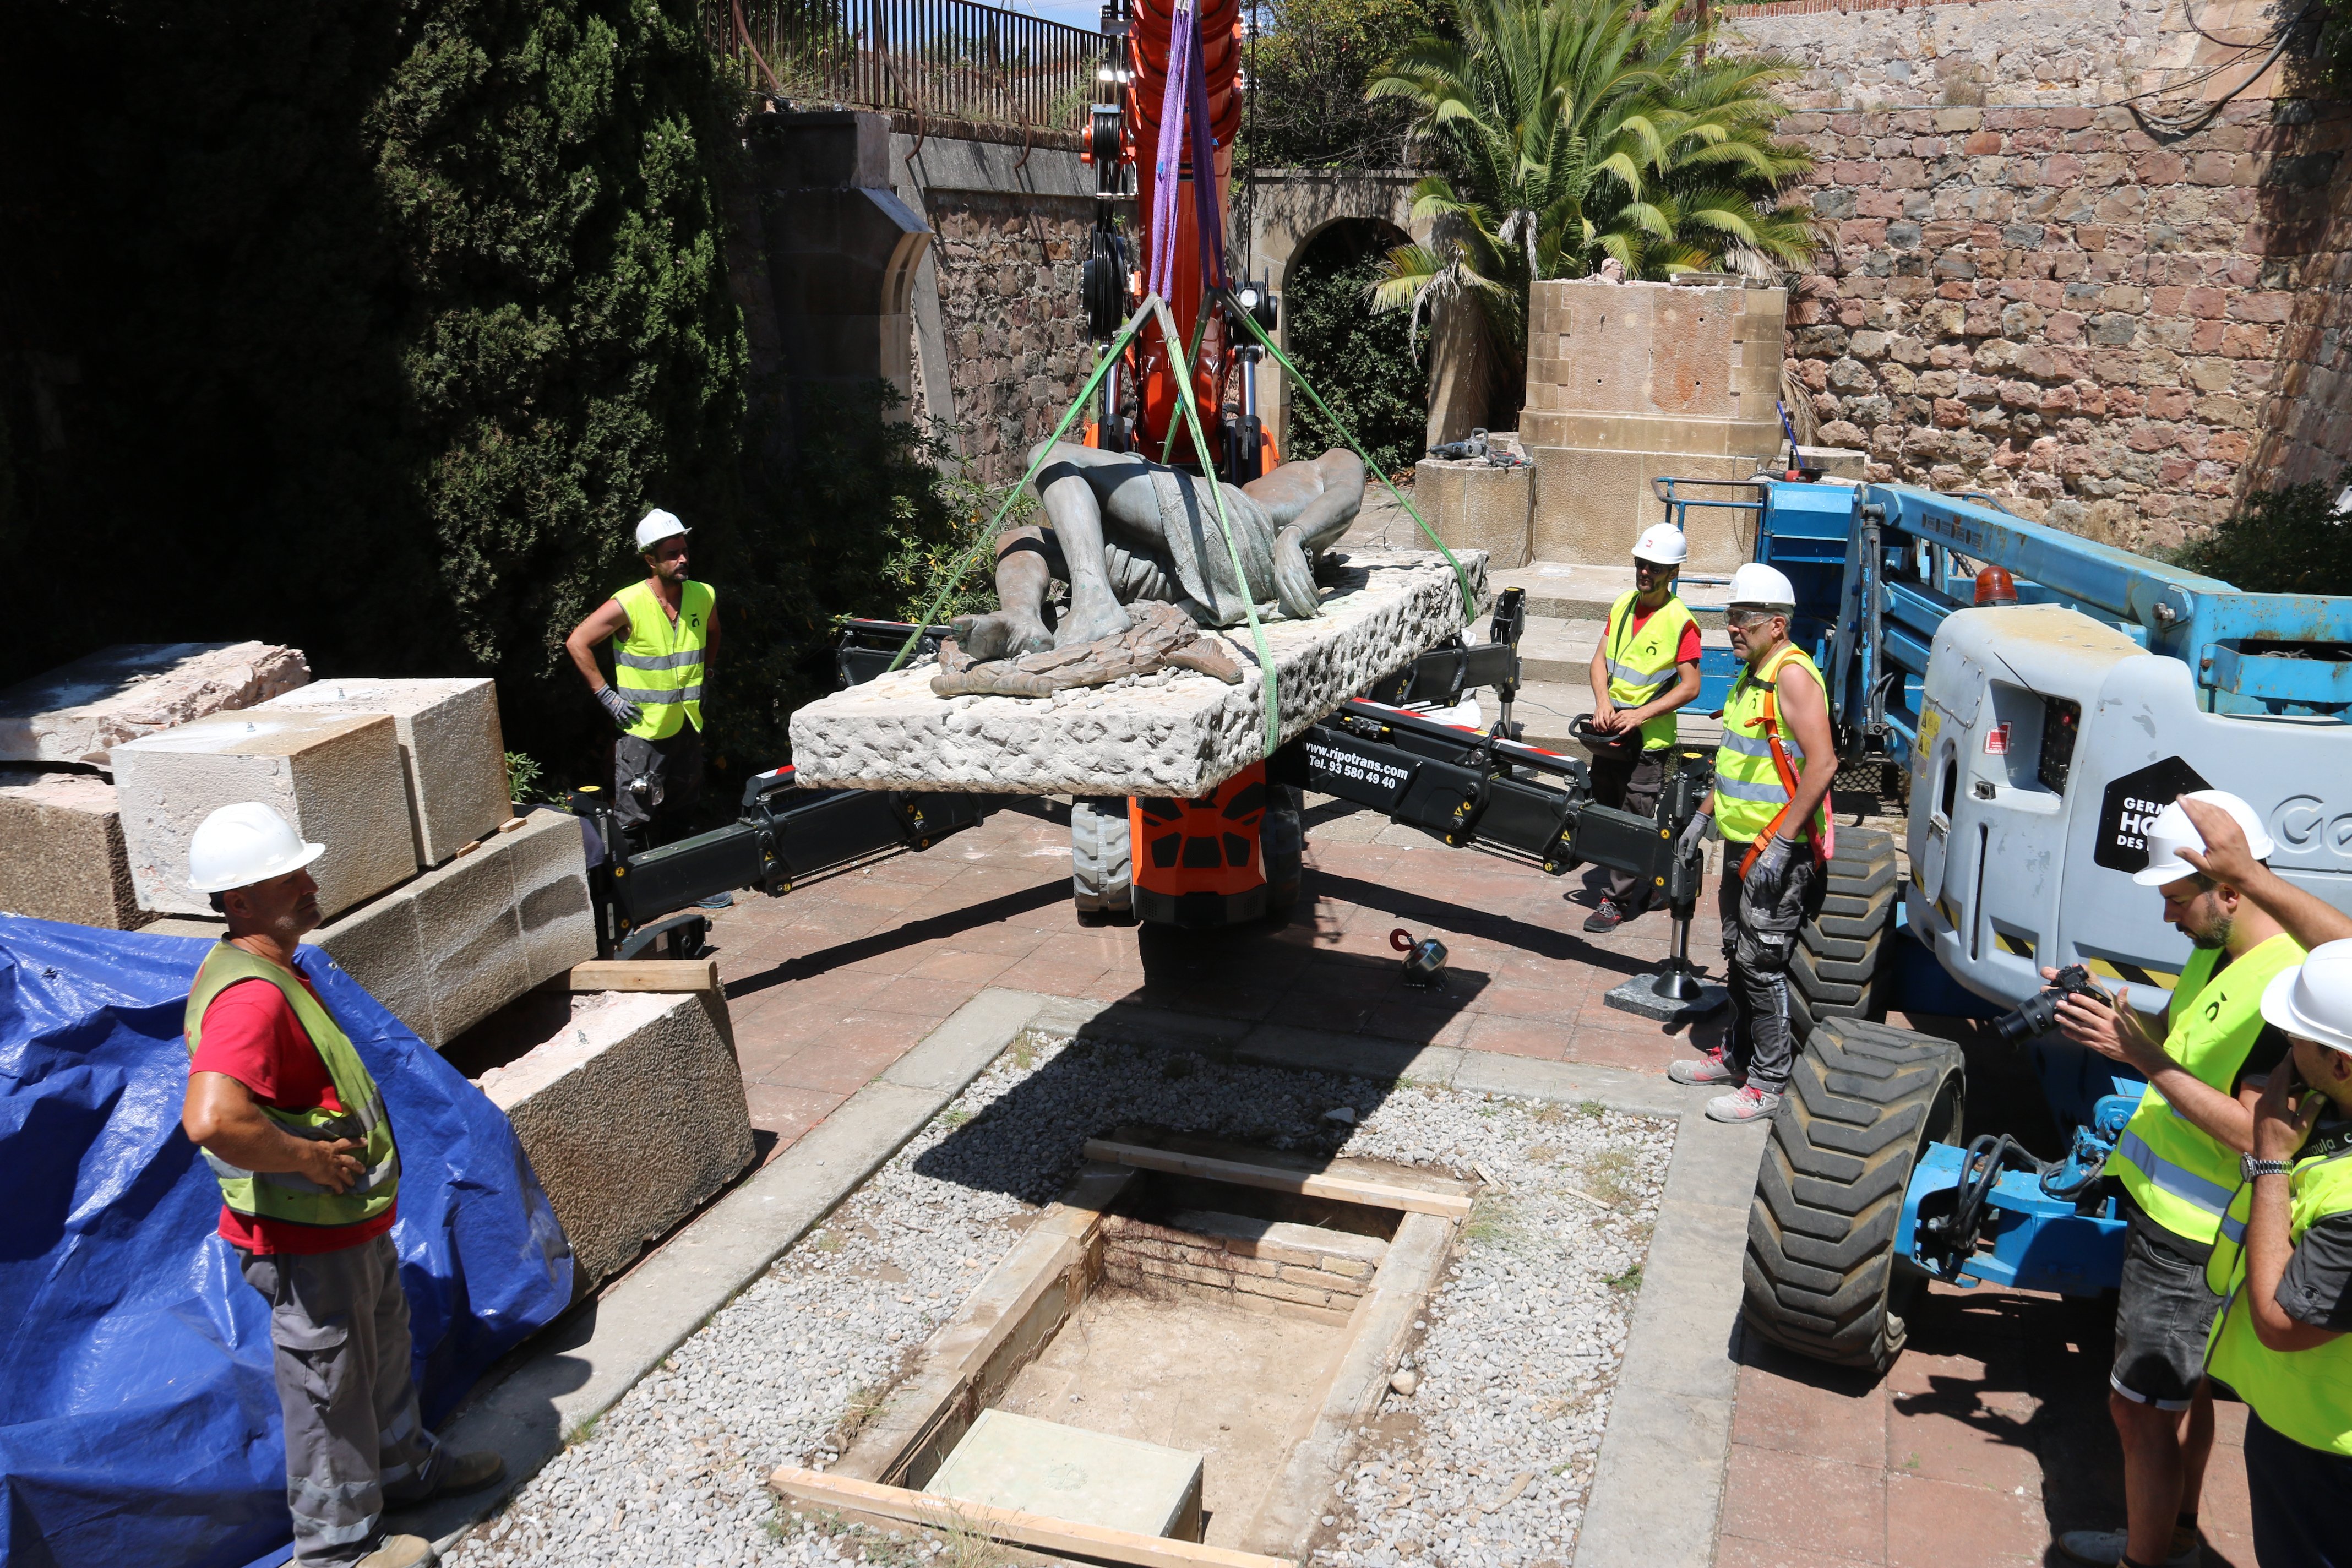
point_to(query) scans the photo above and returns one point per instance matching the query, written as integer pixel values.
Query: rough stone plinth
(61, 856)
(79, 712)
(337, 781)
(633, 1115)
(449, 949)
(1174, 733)
(1474, 505)
(450, 746)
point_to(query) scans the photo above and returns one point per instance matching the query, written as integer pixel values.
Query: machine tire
(1282, 846)
(1834, 971)
(1101, 857)
(1820, 1276)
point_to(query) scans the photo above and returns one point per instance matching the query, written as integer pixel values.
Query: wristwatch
(2250, 1167)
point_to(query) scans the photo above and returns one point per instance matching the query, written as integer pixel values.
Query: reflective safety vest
(284, 1195)
(1642, 666)
(2303, 1394)
(2179, 1173)
(658, 665)
(1749, 793)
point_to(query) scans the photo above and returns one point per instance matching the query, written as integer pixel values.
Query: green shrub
(1363, 365)
(2292, 540)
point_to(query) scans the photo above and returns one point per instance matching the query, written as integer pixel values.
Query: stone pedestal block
(79, 712)
(62, 855)
(1591, 505)
(449, 949)
(1474, 506)
(633, 1115)
(1172, 734)
(451, 749)
(336, 781)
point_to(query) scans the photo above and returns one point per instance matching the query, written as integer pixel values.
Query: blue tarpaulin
(138, 1420)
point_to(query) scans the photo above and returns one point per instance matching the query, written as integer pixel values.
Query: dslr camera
(2039, 1015)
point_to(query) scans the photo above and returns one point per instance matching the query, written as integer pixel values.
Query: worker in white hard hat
(1772, 774)
(664, 634)
(292, 1125)
(2176, 1165)
(1645, 668)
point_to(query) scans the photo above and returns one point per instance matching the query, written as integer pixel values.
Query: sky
(1086, 13)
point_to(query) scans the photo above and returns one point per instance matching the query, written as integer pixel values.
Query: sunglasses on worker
(1744, 618)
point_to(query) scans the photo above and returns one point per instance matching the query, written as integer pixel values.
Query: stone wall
(1016, 337)
(1870, 54)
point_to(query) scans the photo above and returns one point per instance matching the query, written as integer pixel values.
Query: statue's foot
(1005, 633)
(1091, 621)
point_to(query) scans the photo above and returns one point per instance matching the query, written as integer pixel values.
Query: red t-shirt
(1686, 652)
(252, 1036)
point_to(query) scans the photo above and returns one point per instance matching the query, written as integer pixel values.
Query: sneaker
(1711, 1069)
(716, 902)
(1746, 1103)
(397, 1551)
(2105, 1547)
(1606, 917)
(469, 1472)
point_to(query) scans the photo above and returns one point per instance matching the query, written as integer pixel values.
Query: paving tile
(787, 1112)
(1795, 1416)
(1544, 1041)
(1954, 1440)
(1794, 1500)
(1736, 1552)
(1942, 1524)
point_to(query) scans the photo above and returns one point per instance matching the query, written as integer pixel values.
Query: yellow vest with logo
(657, 664)
(285, 1195)
(1642, 666)
(1749, 793)
(2306, 1396)
(2181, 1174)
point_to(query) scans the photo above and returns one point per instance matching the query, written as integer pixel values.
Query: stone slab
(632, 1116)
(1641, 995)
(452, 752)
(1175, 733)
(336, 780)
(450, 948)
(1592, 504)
(62, 855)
(79, 712)
(1475, 506)
(1064, 1472)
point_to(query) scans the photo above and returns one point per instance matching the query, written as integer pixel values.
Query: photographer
(2177, 1163)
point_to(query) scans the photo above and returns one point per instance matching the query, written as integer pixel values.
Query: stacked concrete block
(451, 750)
(336, 781)
(62, 855)
(633, 1115)
(449, 949)
(1475, 506)
(79, 712)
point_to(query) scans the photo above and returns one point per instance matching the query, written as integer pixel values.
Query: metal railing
(954, 59)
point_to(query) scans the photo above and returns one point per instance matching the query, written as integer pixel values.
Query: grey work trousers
(339, 1324)
(1759, 937)
(656, 784)
(1630, 780)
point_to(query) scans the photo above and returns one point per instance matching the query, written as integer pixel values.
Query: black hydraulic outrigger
(1466, 787)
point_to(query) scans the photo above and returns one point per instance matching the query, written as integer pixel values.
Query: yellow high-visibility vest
(1749, 793)
(658, 664)
(1641, 665)
(2306, 1396)
(2181, 1175)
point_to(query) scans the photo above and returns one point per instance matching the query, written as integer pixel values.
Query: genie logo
(2302, 825)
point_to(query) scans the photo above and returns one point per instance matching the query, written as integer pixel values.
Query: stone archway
(1288, 209)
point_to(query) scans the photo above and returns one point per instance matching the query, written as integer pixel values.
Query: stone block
(632, 1116)
(79, 712)
(1591, 505)
(1065, 1472)
(452, 752)
(62, 855)
(1475, 507)
(450, 948)
(1176, 733)
(336, 780)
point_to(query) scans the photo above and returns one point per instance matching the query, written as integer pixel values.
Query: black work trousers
(1629, 780)
(656, 784)
(1759, 937)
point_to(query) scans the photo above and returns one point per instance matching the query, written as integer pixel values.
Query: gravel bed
(1514, 1366)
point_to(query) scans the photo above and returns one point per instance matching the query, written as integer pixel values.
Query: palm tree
(1581, 132)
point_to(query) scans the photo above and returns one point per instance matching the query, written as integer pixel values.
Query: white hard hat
(2172, 832)
(1662, 543)
(658, 526)
(1756, 583)
(241, 845)
(2314, 999)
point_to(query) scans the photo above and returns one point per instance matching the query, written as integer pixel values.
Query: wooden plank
(1345, 1189)
(642, 975)
(819, 1490)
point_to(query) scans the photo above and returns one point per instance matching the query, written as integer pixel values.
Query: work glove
(1693, 836)
(625, 713)
(1770, 869)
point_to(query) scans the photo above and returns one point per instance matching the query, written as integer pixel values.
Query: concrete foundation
(1631, 382)
(62, 855)
(632, 1116)
(1173, 733)
(1475, 507)
(449, 949)
(79, 712)
(451, 751)
(337, 781)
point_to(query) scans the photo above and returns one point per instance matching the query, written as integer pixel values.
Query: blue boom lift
(2032, 743)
